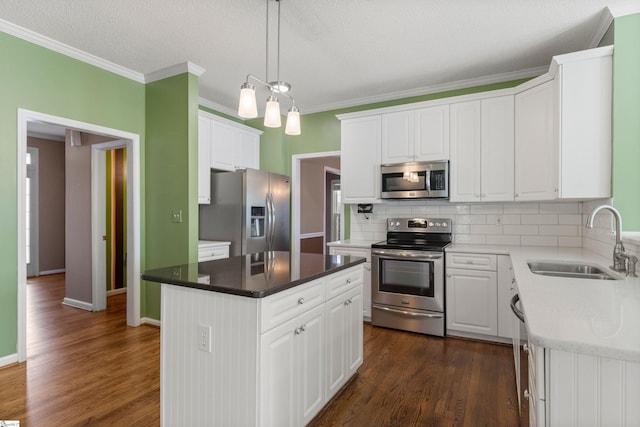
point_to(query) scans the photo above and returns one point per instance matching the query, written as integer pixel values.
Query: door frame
(132, 142)
(295, 194)
(35, 211)
(332, 171)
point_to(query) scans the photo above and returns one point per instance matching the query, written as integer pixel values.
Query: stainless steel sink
(570, 269)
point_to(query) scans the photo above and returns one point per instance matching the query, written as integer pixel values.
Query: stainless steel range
(407, 276)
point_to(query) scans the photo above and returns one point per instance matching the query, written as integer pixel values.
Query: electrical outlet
(204, 338)
(176, 216)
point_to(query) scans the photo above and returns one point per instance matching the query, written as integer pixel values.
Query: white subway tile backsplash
(503, 240)
(539, 241)
(523, 230)
(486, 229)
(570, 242)
(474, 239)
(561, 207)
(521, 208)
(496, 208)
(559, 230)
(539, 224)
(539, 219)
(571, 219)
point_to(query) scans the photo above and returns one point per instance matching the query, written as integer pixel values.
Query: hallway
(83, 368)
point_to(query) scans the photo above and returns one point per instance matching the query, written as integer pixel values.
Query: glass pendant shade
(272, 117)
(247, 107)
(293, 121)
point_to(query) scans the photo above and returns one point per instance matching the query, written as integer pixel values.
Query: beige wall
(78, 218)
(312, 188)
(51, 203)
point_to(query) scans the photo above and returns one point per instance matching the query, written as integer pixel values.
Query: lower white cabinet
(291, 370)
(344, 338)
(472, 301)
(575, 389)
(269, 361)
(359, 251)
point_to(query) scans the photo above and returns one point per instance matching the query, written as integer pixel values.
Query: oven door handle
(415, 255)
(408, 313)
(519, 314)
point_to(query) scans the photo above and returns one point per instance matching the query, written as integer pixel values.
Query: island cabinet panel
(232, 360)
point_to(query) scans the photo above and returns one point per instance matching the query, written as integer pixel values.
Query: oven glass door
(406, 277)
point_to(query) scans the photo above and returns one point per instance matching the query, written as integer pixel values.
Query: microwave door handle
(428, 180)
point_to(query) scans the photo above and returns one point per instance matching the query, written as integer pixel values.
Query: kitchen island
(257, 340)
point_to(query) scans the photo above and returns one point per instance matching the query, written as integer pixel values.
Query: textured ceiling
(335, 53)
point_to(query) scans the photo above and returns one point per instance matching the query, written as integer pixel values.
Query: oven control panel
(420, 225)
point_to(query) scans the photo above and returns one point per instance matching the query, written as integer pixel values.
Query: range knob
(437, 224)
(397, 223)
(430, 224)
(444, 224)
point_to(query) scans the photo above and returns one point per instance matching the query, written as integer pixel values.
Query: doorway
(332, 207)
(123, 139)
(297, 162)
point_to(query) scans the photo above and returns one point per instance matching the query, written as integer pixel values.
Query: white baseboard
(8, 360)
(116, 291)
(47, 272)
(150, 321)
(78, 304)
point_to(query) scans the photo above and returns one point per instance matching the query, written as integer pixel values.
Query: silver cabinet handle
(300, 300)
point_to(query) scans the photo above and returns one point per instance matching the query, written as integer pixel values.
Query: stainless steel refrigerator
(249, 208)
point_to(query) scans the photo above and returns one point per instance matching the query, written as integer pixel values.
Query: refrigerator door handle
(270, 222)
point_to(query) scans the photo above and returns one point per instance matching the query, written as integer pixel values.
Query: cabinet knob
(527, 395)
(303, 328)
(348, 281)
(525, 347)
(297, 331)
(469, 262)
(448, 274)
(367, 268)
(516, 195)
(300, 300)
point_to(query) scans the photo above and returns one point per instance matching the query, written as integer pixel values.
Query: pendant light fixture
(247, 106)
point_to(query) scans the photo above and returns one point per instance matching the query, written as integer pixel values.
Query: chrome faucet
(622, 261)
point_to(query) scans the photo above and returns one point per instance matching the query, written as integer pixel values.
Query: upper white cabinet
(360, 160)
(482, 144)
(536, 157)
(563, 130)
(416, 135)
(224, 145)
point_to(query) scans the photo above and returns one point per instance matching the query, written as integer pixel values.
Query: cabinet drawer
(471, 261)
(286, 305)
(364, 253)
(343, 281)
(211, 253)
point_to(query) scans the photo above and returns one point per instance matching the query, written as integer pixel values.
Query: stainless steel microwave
(415, 180)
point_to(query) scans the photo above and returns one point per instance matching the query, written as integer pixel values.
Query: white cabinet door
(248, 150)
(360, 160)
(204, 160)
(344, 338)
(472, 301)
(465, 152)
(431, 133)
(397, 137)
(497, 145)
(536, 154)
(278, 387)
(292, 370)
(223, 146)
(311, 356)
(354, 355)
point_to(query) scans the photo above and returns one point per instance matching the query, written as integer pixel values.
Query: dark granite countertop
(256, 275)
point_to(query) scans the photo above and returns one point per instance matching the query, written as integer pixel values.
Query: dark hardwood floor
(88, 368)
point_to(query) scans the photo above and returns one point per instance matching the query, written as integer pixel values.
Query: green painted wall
(38, 79)
(172, 178)
(626, 120)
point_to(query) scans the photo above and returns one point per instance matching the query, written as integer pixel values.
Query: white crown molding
(174, 70)
(624, 9)
(606, 19)
(56, 46)
(460, 84)
(218, 107)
